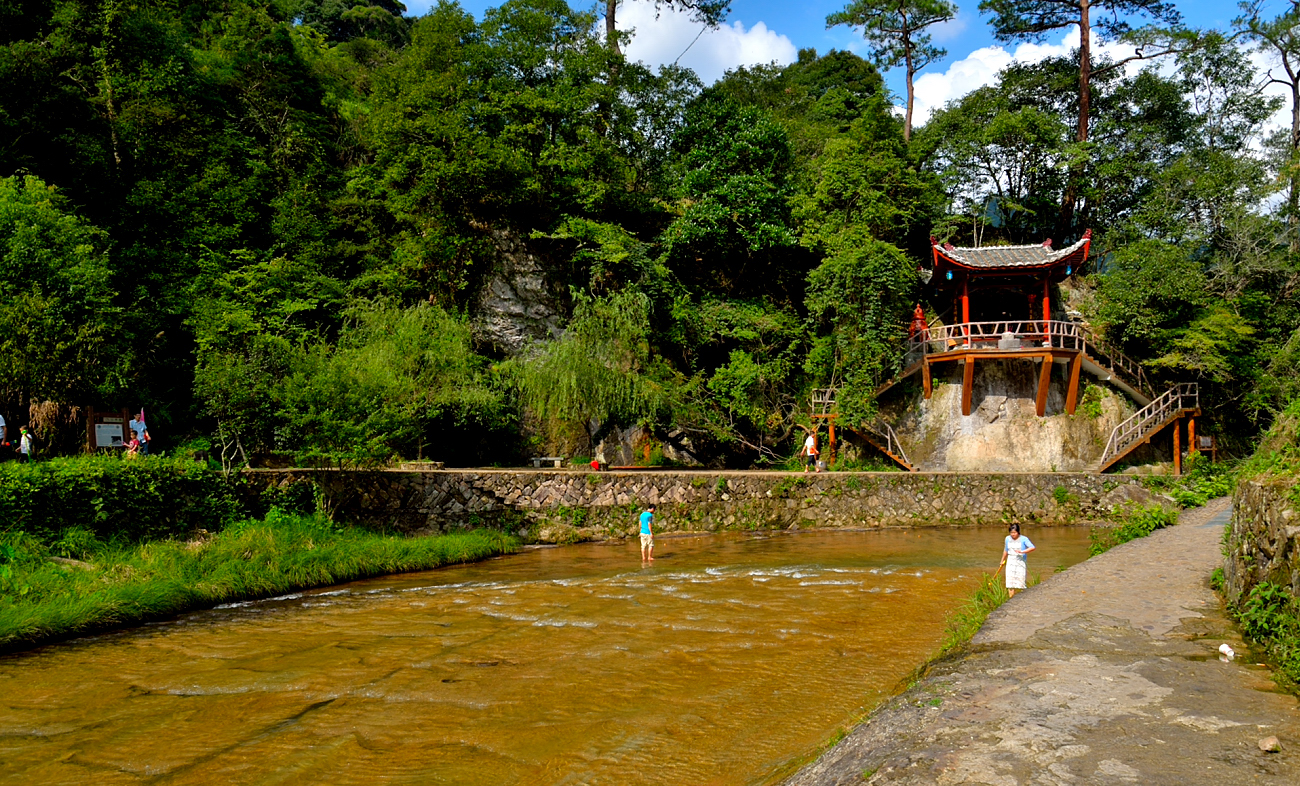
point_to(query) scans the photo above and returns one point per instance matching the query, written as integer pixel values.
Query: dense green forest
(272, 223)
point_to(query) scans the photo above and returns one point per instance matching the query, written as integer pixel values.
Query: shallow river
(724, 663)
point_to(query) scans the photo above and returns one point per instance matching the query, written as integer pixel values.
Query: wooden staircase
(882, 436)
(1179, 401)
(879, 434)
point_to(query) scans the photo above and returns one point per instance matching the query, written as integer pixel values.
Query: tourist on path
(1014, 549)
(647, 535)
(810, 450)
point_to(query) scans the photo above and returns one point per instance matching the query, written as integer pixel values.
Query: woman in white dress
(1014, 549)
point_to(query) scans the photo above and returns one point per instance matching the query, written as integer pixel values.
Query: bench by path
(1107, 673)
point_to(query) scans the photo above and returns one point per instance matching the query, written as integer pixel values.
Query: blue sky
(767, 30)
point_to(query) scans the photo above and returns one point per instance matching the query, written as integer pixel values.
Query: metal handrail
(1183, 396)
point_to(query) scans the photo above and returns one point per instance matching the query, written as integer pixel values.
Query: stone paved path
(1107, 673)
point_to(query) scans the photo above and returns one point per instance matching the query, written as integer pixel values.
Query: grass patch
(966, 621)
(1139, 524)
(103, 585)
(1200, 482)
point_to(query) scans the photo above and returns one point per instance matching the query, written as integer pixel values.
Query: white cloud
(981, 67)
(663, 40)
(953, 29)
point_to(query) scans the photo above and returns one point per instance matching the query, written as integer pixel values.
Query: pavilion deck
(1047, 342)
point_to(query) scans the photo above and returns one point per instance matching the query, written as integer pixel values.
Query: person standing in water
(647, 535)
(1014, 549)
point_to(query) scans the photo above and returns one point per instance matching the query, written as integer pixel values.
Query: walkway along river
(724, 663)
(1108, 674)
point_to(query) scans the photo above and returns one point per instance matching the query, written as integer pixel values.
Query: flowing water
(723, 663)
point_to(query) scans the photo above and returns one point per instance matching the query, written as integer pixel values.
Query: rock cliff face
(517, 304)
(1263, 540)
(1003, 433)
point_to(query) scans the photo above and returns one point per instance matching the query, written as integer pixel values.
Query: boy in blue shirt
(647, 536)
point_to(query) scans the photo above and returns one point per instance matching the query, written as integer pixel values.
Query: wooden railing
(1173, 402)
(1117, 363)
(823, 401)
(888, 442)
(1022, 335)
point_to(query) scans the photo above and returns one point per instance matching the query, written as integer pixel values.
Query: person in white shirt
(810, 450)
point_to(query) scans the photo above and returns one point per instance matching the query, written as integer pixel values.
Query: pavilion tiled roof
(1009, 256)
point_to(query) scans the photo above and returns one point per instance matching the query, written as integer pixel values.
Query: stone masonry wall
(1264, 539)
(567, 506)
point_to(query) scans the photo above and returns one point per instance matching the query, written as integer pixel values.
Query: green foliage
(601, 368)
(124, 584)
(1201, 481)
(1138, 524)
(966, 621)
(896, 34)
(1090, 401)
(393, 376)
(854, 299)
(75, 502)
(57, 313)
(1270, 614)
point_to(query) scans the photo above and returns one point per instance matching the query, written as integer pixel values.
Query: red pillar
(965, 308)
(1047, 313)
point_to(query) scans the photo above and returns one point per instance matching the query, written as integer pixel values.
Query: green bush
(73, 501)
(1271, 615)
(1138, 525)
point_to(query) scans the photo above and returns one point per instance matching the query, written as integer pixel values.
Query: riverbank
(1106, 673)
(567, 506)
(46, 597)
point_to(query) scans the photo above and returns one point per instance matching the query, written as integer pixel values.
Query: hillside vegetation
(271, 222)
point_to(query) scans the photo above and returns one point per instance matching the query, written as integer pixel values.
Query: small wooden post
(1072, 393)
(830, 422)
(90, 429)
(1178, 447)
(1044, 384)
(967, 382)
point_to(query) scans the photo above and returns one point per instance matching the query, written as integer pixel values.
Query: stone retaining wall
(567, 506)
(1264, 539)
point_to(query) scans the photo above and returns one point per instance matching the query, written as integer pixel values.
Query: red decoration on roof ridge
(1047, 243)
(934, 241)
(948, 246)
(1087, 234)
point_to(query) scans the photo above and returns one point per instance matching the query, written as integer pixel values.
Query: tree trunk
(1293, 197)
(1075, 179)
(611, 32)
(907, 119)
